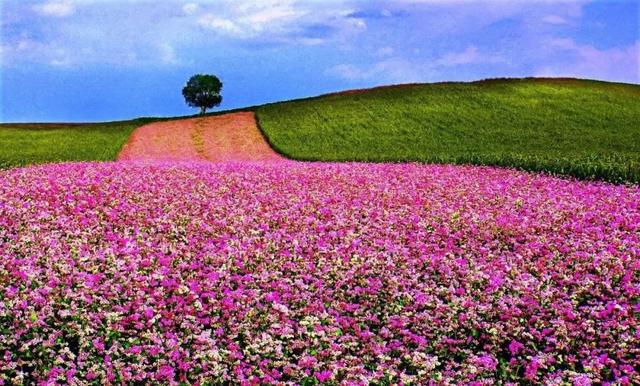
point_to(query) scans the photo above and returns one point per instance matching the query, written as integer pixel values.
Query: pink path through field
(228, 137)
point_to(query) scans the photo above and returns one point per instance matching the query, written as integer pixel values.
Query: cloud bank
(280, 49)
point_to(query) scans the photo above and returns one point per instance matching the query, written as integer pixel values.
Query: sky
(97, 60)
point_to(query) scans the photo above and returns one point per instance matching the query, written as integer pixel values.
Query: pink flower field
(312, 273)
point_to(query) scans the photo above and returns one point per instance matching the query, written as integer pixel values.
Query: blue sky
(94, 60)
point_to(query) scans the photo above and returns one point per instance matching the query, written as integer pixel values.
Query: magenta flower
(582, 380)
(515, 347)
(98, 344)
(323, 376)
(285, 272)
(165, 373)
(531, 371)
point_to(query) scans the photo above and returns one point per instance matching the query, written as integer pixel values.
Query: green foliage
(33, 144)
(309, 381)
(586, 129)
(203, 91)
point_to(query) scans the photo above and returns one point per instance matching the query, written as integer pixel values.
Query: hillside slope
(26, 144)
(588, 129)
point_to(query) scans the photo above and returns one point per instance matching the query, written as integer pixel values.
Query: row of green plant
(34, 144)
(609, 168)
(586, 129)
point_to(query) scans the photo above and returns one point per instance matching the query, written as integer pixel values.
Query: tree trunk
(203, 109)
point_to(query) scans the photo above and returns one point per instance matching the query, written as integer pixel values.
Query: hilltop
(584, 128)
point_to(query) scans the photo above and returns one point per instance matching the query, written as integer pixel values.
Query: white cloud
(585, 61)
(250, 19)
(555, 20)
(471, 55)
(348, 72)
(281, 21)
(384, 51)
(124, 33)
(55, 8)
(190, 8)
(310, 41)
(167, 53)
(25, 48)
(397, 69)
(60, 62)
(220, 25)
(132, 33)
(270, 16)
(391, 70)
(563, 43)
(359, 23)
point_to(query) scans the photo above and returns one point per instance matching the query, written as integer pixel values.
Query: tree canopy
(203, 91)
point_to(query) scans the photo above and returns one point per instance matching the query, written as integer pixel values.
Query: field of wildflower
(315, 273)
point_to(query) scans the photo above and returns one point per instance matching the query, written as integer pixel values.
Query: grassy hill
(24, 144)
(587, 129)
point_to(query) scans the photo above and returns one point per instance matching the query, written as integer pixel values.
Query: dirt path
(228, 137)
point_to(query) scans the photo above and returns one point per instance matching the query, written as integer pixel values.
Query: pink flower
(392, 270)
(487, 362)
(323, 376)
(165, 373)
(531, 371)
(272, 297)
(98, 344)
(515, 347)
(582, 380)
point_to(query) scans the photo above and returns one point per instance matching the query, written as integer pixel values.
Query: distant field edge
(148, 119)
(582, 128)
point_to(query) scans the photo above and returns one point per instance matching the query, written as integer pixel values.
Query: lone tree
(203, 91)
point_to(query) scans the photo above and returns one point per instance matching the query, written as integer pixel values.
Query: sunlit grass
(586, 129)
(25, 145)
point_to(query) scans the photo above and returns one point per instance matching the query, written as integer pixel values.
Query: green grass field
(586, 129)
(32, 144)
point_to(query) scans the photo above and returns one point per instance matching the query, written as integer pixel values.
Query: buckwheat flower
(280, 307)
(258, 273)
(165, 373)
(487, 362)
(581, 380)
(98, 344)
(531, 371)
(323, 376)
(148, 313)
(515, 347)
